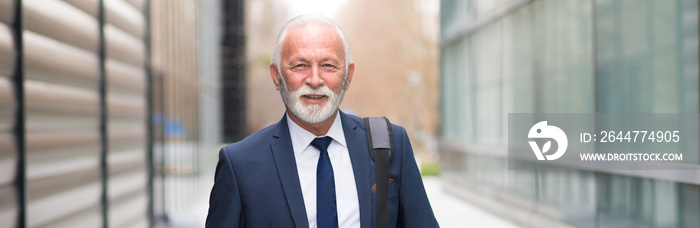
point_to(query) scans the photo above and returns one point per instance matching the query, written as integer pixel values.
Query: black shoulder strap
(381, 149)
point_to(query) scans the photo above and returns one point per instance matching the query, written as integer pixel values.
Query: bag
(381, 149)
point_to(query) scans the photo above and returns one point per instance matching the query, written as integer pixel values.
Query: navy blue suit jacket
(256, 182)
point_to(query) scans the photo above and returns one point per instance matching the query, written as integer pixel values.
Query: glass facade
(574, 56)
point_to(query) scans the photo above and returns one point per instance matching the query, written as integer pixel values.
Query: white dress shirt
(307, 159)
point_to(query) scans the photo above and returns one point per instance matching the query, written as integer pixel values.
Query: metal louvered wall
(77, 154)
(127, 111)
(9, 203)
(89, 136)
(62, 109)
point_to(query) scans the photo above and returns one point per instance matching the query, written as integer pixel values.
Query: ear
(351, 71)
(275, 78)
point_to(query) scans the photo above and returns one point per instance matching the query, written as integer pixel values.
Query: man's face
(312, 66)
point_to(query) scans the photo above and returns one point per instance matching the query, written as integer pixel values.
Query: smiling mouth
(314, 96)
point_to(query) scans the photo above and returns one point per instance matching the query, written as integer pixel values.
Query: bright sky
(322, 7)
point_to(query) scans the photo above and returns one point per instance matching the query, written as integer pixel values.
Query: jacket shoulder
(397, 130)
(359, 121)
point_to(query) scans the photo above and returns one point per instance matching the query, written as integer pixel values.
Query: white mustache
(307, 90)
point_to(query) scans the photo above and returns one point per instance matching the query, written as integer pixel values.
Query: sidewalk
(450, 211)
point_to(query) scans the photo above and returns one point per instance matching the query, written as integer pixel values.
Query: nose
(314, 80)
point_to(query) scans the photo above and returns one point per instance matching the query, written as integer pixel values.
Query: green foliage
(430, 168)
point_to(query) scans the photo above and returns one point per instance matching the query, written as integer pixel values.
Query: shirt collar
(301, 138)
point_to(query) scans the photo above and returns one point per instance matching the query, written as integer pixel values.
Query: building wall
(79, 81)
(579, 56)
(233, 44)
(74, 146)
(188, 63)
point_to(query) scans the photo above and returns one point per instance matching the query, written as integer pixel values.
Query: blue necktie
(326, 209)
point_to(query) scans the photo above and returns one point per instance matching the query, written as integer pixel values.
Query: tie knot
(322, 143)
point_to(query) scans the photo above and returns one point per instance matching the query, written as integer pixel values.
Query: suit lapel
(283, 154)
(356, 140)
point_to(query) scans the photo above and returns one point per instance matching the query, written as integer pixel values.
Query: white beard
(312, 113)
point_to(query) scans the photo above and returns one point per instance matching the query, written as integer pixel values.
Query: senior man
(313, 167)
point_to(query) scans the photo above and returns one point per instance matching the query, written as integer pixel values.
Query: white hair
(308, 20)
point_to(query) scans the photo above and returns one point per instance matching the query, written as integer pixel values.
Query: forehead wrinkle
(314, 55)
(315, 37)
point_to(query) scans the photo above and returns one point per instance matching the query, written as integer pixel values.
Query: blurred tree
(264, 18)
(394, 46)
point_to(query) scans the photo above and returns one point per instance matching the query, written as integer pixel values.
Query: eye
(328, 65)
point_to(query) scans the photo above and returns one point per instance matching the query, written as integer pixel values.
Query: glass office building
(573, 56)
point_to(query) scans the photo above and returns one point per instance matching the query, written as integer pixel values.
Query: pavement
(450, 211)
